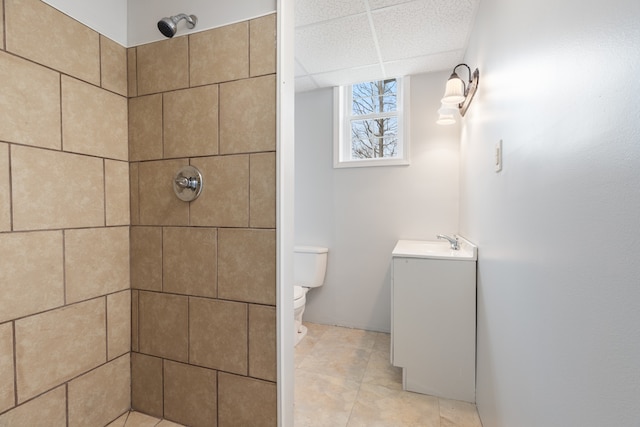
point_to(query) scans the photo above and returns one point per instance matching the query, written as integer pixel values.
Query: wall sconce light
(458, 94)
(446, 113)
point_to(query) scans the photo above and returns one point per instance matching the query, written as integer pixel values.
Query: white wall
(360, 213)
(559, 229)
(134, 22)
(108, 17)
(145, 14)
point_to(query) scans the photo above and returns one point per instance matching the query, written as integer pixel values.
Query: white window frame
(342, 107)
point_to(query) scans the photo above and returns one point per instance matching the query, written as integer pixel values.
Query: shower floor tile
(343, 378)
(137, 419)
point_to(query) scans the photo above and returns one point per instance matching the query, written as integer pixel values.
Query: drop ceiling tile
(424, 64)
(379, 4)
(349, 76)
(333, 45)
(311, 11)
(422, 27)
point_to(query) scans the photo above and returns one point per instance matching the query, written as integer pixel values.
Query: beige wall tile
(134, 200)
(219, 55)
(146, 258)
(134, 321)
(262, 342)
(246, 401)
(163, 66)
(5, 188)
(189, 261)
(49, 410)
(31, 274)
(247, 265)
(101, 395)
(190, 394)
(43, 189)
(263, 190)
(218, 334)
(224, 201)
(248, 115)
(2, 24)
(158, 203)
(119, 324)
(30, 103)
(191, 122)
(94, 121)
(96, 262)
(132, 71)
(145, 127)
(166, 423)
(262, 45)
(163, 325)
(7, 385)
(116, 183)
(58, 345)
(74, 50)
(113, 64)
(146, 384)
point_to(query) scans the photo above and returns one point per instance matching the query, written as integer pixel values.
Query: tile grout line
(66, 402)
(61, 118)
(11, 226)
(104, 190)
(106, 328)
(4, 27)
(15, 364)
(64, 268)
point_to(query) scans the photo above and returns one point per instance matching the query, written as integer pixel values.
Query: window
(371, 124)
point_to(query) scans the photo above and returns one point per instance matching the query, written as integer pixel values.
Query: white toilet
(309, 267)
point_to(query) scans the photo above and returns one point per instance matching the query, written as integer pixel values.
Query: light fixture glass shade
(448, 109)
(454, 91)
(446, 119)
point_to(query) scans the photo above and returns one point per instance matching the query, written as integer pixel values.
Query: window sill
(368, 163)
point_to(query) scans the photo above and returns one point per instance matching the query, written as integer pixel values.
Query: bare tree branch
(377, 137)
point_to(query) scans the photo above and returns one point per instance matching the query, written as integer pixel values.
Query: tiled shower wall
(203, 324)
(203, 273)
(64, 221)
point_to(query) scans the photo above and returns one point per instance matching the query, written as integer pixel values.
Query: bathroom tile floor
(137, 419)
(343, 378)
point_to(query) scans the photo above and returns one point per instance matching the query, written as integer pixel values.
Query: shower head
(169, 26)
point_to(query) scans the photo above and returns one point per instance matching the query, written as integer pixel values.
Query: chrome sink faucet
(455, 244)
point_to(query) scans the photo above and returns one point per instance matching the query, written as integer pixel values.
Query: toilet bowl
(299, 301)
(309, 268)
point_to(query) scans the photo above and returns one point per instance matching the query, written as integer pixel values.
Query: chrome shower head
(169, 26)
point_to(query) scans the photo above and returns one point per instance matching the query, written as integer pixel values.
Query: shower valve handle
(184, 182)
(187, 178)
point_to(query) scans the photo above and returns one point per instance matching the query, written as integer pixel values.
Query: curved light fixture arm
(466, 85)
(469, 88)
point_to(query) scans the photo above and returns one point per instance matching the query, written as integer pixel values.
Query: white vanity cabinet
(433, 327)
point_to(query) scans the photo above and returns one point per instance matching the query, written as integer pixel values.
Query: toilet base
(302, 332)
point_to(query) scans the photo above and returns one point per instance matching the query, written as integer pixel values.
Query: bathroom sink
(435, 249)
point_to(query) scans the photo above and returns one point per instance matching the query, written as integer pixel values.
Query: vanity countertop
(436, 249)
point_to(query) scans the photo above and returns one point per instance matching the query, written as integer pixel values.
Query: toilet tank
(309, 266)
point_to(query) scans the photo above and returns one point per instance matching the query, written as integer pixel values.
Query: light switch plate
(498, 156)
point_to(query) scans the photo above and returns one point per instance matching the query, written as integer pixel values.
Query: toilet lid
(298, 292)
